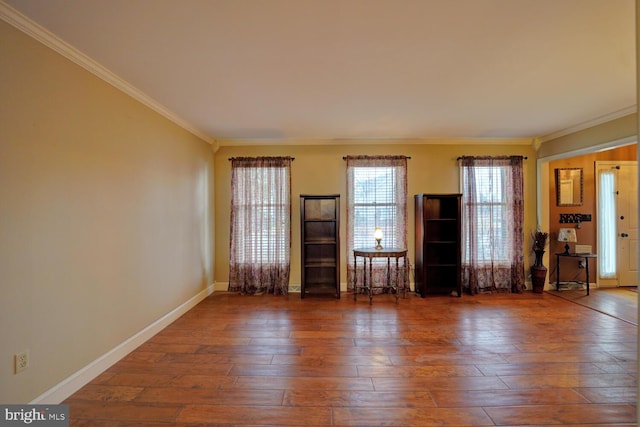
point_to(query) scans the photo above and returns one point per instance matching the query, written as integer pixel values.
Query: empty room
(330, 213)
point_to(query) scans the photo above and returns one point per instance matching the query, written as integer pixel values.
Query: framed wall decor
(569, 187)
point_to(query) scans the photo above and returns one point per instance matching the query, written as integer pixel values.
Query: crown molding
(215, 146)
(44, 36)
(588, 124)
(373, 141)
(629, 140)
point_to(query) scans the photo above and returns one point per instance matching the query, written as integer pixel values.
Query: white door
(617, 195)
(627, 212)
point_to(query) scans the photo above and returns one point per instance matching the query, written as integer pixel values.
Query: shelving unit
(320, 244)
(437, 244)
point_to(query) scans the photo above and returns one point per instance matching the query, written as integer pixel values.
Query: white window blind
(490, 209)
(375, 205)
(261, 203)
(607, 229)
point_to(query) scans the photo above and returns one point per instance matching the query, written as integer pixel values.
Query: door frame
(542, 177)
(608, 282)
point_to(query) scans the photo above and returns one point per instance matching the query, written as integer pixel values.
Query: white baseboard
(295, 288)
(77, 380)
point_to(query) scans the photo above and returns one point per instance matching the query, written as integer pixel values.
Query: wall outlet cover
(21, 361)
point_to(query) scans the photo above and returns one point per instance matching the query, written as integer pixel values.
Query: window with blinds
(607, 232)
(261, 204)
(375, 204)
(490, 209)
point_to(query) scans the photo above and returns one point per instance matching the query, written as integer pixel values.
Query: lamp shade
(378, 236)
(377, 233)
(567, 235)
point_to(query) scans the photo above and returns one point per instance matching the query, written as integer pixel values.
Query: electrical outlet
(21, 361)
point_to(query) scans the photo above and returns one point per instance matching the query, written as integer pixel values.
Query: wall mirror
(569, 187)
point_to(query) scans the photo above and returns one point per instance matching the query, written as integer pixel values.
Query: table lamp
(567, 235)
(378, 236)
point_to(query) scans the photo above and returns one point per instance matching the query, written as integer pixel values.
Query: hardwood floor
(621, 303)
(508, 360)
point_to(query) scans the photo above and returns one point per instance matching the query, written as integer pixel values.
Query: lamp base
(566, 249)
(378, 245)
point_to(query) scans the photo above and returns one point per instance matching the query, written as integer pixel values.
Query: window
(260, 225)
(375, 205)
(376, 197)
(607, 233)
(490, 209)
(264, 239)
(492, 220)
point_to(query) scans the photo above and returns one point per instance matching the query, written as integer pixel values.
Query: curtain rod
(488, 157)
(234, 158)
(406, 157)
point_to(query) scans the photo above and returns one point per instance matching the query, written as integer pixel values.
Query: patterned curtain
(260, 225)
(376, 197)
(492, 220)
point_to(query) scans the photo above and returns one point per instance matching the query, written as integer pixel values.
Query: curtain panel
(260, 247)
(376, 197)
(492, 220)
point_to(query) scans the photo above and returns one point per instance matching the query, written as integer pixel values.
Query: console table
(584, 256)
(388, 253)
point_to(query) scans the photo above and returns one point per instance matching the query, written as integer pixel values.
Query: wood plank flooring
(621, 303)
(507, 360)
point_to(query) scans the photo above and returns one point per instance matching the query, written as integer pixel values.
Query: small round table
(388, 253)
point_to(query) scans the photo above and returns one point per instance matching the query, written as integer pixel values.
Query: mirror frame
(569, 187)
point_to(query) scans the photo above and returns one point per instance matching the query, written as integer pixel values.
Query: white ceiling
(333, 69)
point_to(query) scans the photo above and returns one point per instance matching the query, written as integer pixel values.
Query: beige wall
(320, 169)
(604, 133)
(105, 222)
